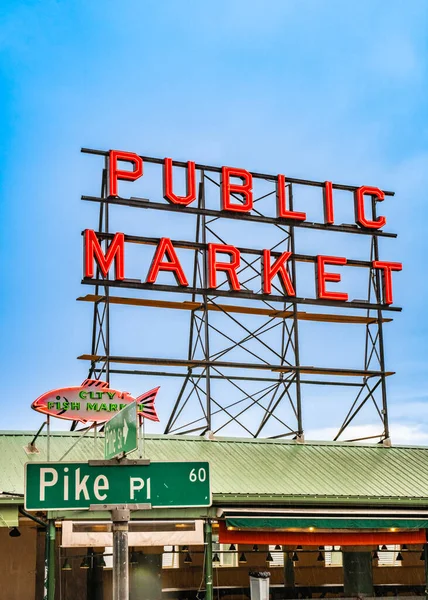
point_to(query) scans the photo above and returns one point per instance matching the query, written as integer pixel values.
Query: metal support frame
(208, 558)
(217, 394)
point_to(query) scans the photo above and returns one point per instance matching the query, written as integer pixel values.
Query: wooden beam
(229, 308)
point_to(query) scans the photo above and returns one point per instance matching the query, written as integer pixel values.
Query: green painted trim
(325, 523)
(9, 516)
(159, 513)
(266, 499)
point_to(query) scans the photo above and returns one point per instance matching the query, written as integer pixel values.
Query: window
(227, 558)
(333, 556)
(278, 557)
(170, 557)
(388, 557)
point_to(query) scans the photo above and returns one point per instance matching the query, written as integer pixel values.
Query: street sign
(74, 486)
(121, 432)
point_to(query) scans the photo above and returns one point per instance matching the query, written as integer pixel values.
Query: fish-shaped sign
(93, 401)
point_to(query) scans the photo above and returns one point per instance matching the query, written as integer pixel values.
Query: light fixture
(14, 532)
(66, 566)
(216, 558)
(278, 547)
(295, 557)
(232, 547)
(101, 562)
(375, 555)
(242, 558)
(393, 529)
(255, 548)
(133, 558)
(86, 563)
(399, 556)
(269, 557)
(320, 557)
(188, 559)
(311, 528)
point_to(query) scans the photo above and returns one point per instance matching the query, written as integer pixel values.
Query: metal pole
(426, 569)
(48, 441)
(120, 519)
(208, 560)
(50, 561)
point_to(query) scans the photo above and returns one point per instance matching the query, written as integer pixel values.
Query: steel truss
(242, 373)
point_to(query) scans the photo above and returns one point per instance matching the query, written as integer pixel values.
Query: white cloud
(409, 434)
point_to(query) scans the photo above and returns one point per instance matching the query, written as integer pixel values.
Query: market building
(325, 519)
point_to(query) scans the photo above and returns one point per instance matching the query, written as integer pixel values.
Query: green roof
(256, 471)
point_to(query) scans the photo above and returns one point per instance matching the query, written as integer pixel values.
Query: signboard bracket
(113, 462)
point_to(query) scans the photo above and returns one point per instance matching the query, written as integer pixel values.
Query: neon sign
(93, 401)
(236, 198)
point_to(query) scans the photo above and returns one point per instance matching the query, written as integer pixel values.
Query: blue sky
(321, 90)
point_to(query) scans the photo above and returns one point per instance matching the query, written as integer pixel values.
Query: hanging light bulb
(188, 559)
(375, 555)
(232, 547)
(320, 557)
(278, 547)
(86, 563)
(399, 556)
(295, 557)
(66, 566)
(216, 558)
(269, 557)
(242, 558)
(255, 548)
(14, 532)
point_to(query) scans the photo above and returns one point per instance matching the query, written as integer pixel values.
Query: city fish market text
(77, 403)
(236, 194)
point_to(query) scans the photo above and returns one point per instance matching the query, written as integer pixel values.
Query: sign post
(120, 525)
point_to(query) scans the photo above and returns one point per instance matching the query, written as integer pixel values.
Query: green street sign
(75, 486)
(121, 432)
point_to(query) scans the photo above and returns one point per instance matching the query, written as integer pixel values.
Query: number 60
(200, 476)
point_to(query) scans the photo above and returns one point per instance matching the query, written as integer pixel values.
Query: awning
(8, 516)
(288, 523)
(332, 537)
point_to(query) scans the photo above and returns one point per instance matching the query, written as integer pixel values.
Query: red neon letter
(229, 267)
(278, 268)
(322, 277)
(115, 252)
(244, 189)
(166, 249)
(328, 203)
(387, 268)
(360, 217)
(168, 194)
(115, 173)
(281, 203)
